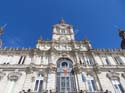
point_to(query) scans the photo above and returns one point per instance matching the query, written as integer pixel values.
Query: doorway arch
(65, 79)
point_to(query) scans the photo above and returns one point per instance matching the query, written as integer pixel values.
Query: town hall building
(62, 65)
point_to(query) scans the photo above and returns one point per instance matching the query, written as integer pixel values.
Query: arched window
(65, 76)
(39, 83)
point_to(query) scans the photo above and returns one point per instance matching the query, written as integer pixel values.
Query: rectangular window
(83, 77)
(22, 60)
(118, 87)
(89, 60)
(107, 61)
(118, 60)
(91, 84)
(38, 86)
(65, 85)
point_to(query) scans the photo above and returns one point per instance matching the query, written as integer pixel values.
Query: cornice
(108, 51)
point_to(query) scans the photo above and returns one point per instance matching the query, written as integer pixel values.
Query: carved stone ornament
(51, 68)
(96, 68)
(14, 76)
(30, 69)
(2, 74)
(113, 75)
(77, 68)
(123, 75)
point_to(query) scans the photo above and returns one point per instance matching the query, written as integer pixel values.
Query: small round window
(64, 64)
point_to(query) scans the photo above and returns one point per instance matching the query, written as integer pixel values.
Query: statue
(122, 35)
(1, 32)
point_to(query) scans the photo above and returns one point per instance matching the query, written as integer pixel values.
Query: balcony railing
(68, 92)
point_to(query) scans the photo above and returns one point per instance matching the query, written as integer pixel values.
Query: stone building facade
(62, 65)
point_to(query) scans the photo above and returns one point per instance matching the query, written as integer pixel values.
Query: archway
(65, 79)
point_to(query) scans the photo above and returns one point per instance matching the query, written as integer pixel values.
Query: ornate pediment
(113, 75)
(14, 76)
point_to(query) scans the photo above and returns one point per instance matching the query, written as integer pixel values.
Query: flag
(65, 71)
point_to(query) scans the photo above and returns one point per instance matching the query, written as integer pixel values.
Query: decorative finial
(122, 35)
(39, 40)
(2, 29)
(1, 32)
(62, 21)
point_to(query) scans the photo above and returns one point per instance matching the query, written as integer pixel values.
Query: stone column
(28, 78)
(12, 77)
(78, 76)
(51, 82)
(45, 82)
(77, 58)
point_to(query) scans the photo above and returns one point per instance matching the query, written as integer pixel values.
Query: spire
(62, 21)
(85, 40)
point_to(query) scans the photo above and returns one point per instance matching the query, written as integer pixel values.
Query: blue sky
(27, 20)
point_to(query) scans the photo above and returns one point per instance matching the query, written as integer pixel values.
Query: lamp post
(122, 35)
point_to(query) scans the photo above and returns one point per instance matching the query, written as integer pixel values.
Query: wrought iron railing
(68, 92)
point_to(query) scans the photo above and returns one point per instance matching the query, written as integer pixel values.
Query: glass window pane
(40, 86)
(83, 78)
(67, 82)
(121, 88)
(64, 64)
(93, 85)
(36, 85)
(107, 61)
(63, 82)
(89, 85)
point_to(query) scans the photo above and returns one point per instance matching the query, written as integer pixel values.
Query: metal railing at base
(69, 92)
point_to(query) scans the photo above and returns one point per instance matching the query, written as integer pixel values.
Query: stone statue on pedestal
(122, 35)
(1, 31)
